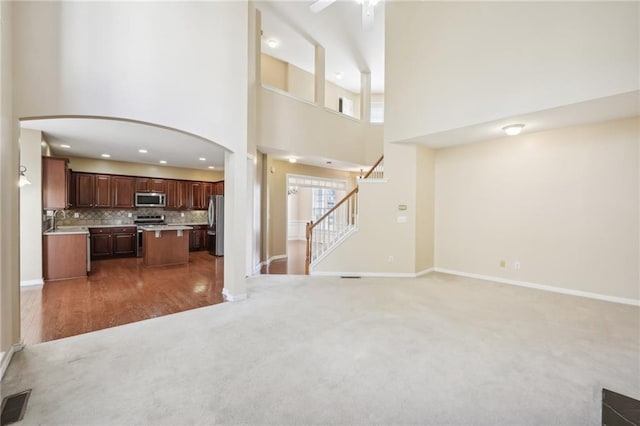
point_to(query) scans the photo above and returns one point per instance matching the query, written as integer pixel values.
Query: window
(323, 199)
(345, 106)
(377, 111)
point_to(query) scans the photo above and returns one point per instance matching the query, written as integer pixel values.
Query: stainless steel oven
(142, 220)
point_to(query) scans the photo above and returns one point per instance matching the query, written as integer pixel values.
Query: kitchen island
(165, 244)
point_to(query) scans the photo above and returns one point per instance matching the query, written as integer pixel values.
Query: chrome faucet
(55, 213)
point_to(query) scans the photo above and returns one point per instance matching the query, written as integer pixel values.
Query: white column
(365, 97)
(319, 76)
(235, 225)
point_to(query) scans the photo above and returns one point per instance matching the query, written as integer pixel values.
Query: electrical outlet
(390, 259)
(516, 264)
(503, 263)
(76, 215)
(181, 214)
(129, 214)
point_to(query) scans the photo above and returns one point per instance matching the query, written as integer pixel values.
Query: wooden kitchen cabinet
(101, 243)
(92, 190)
(196, 196)
(64, 256)
(55, 186)
(198, 238)
(122, 188)
(219, 188)
(173, 195)
(125, 241)
(150, 185)
(113, 242)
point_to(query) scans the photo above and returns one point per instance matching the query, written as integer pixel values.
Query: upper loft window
(377, 111)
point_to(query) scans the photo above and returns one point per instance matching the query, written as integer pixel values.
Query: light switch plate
(402, 219)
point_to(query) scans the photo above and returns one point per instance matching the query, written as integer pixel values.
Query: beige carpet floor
(436, 350)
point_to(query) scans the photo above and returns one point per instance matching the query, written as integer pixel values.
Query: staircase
(338, 223)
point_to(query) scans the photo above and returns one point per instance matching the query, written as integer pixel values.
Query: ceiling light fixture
(202, 159)
(339, 75)
(163, 161)
(273, 43)
(106, 155)
(211, 167)
(23, 179)
(292, 160)
(513, 129)
(142, 151)
(65, 146)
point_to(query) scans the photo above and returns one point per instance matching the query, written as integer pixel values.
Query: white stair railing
(336, 224)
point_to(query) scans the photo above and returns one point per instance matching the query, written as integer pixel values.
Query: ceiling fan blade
(368, 15)
(319, 5)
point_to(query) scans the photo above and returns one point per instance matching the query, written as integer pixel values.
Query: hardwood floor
(293, 264)
(119, 291)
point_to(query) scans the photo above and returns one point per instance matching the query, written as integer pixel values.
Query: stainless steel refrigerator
(215, 219)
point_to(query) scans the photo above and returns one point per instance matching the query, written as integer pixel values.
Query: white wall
(454, 64)
(563, 203)
(31, 208)
(179, 64)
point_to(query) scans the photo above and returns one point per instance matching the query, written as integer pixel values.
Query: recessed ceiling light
(211, 167)
(65, 146)
(106, 155)
(339, 75)
(513, 129)
(142, 151)
(163, 162)
(202, 159)
(273, 43)
(292, 160)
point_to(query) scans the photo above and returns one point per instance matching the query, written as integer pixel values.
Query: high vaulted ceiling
(338, 28)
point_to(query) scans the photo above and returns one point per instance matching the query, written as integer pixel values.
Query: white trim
(271, 259)
(544, 287)
(233, 297)
(38, 281)
(8, 356)
(372, 274)
(371, 180)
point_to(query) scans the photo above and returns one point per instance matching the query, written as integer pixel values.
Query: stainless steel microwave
(150, 199)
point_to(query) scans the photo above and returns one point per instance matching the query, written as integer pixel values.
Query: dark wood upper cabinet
(157, 185)
(143, 185)
(85, 189)
(207, 191)
(219, 188)
(103, 191)
(55, 186)
(122, 188)
(195, 196)
(173, 199)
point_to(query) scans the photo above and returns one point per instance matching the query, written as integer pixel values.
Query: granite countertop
(122, 225)
(165, 228)
(189, 224)
(67, 230)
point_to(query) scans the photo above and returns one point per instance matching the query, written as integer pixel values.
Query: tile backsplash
(121, 217)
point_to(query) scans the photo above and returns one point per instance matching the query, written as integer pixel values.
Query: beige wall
(383, 244)
(425, 208)
(9, 195)
(273, 72)
(31, 208)
(276, 206)
(93, 165)
(286, 122)
(300, 83)
(563, 203)
(333, 92)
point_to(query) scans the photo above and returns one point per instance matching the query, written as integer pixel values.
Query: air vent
(13, 407)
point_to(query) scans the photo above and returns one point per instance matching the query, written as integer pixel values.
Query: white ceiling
(338, 28)
(92, 137)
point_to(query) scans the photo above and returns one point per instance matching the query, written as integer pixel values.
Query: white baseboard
(7, 356)
(271, 259)
(372, 274)
(544, 287)
(27, 283)
(233, 297)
